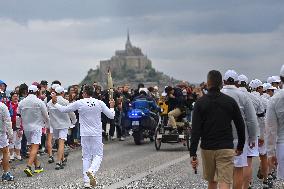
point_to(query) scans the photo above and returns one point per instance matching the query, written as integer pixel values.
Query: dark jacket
(212, 117)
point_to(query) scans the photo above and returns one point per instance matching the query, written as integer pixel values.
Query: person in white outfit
(60, 123)
(34, 116)
(5, 127)
(249, 115)
(259, 109)
(90, 110)
(257, 91)
(49, 132)
(275, 128)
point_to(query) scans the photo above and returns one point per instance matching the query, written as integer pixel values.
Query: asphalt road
(125, 165)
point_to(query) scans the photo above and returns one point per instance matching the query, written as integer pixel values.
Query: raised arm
(69, 108)
(109, 112)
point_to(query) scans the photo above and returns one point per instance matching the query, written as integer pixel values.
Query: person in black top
(212, 117)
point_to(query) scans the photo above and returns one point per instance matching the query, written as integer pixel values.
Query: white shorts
(33, 137)
(60, 133)
(16, 141)
(3, 140)
(241, 160)
(280, 160)
(253, 152)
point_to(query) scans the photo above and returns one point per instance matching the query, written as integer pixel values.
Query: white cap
(255, 83)
(266, 86)
(242, 78)
(231, 74)
(282, 71)
(270, 80)
(59, 90)
(272, 88)
(33, 88)
(143, 89)
(156, 88)
(276, 79)
(54, 86)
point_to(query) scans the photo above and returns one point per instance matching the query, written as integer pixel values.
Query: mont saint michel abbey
(128, 66)
(131, 58)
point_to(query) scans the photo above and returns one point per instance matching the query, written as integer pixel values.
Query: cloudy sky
(63, 39)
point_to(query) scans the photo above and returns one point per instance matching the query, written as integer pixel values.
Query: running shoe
(29, 171)
(18, 157)
(38, 169)
(59, 166)
(64, 162)
(87, 186)
(50, 159)
(93, 181)
(7, 177)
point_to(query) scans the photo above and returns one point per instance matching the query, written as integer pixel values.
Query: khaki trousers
(172, 115)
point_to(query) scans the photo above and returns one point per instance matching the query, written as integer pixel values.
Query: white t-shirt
(90, 110)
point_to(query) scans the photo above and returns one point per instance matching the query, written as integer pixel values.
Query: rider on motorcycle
(148, 105)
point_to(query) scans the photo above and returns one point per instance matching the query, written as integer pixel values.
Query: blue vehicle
(142, 120)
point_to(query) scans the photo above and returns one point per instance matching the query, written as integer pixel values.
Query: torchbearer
(90, 110)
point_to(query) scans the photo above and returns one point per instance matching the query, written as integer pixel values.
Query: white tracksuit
(34, 116)
(90, 110)
(275, 128)
(250, 119)
(5, 125)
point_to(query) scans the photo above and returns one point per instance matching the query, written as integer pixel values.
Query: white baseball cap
(242, 78)
(54, 86)
(231, 74)
(59, 90)
(270, 80)
(276, 79)
(266, 86)
(255, 83)
(143, 89)
(272, 88)
(33, 88)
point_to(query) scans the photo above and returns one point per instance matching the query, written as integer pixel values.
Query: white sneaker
(18, 157)
(87, 185)
(12, 157)
(122, 139)
(93, 181)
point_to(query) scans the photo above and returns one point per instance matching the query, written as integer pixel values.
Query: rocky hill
(150, 77)
(128, 66)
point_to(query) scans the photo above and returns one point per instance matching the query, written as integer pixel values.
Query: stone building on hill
(132, 59)
(128, 66)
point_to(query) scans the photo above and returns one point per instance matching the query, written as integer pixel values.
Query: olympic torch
(110, 84)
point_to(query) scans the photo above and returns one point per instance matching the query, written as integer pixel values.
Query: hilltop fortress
(131, 59)
(129, 66)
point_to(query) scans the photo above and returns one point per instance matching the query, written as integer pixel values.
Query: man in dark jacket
(212, 117)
